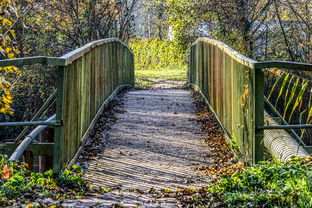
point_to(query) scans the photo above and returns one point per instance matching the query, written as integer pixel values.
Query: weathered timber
(227, 81)
(91, 75)
(54, 61)
(232, 85)
(86, 79)
(36, 148)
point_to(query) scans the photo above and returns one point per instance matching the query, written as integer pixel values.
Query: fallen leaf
(6, 172)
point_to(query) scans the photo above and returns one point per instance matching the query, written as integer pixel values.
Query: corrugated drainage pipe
(281, 144)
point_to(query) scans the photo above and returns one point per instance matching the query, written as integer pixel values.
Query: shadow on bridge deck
(155, 143)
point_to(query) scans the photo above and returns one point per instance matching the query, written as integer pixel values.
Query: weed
(18, 185)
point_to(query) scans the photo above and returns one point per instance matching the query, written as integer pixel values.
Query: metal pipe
(280, 143)
(297, 137)
(31, 123)
(45, 106)
(29, 139)
(289, 126)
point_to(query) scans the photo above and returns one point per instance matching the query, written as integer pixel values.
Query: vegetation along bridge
(89, 77)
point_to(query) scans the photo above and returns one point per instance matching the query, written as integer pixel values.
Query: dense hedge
(157, 54)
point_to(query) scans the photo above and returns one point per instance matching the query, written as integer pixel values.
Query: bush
(268, 184)
(19, 186)
(157, 54)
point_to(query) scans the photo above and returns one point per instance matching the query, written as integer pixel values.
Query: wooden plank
(58, 138)
(37, 149)
(97, 80)
(236, 104)
(102, 74)
(88, 74)
(205, 71)
(132, 68)
(46, 161)
(79, 81)
(92, 84)
(222, 82)
(74, 142)
(228, 93)
(258, 115)
(115, 66)
(84, 96)
(105, 68)
(67, 109)
(197, 64)
(55, 61)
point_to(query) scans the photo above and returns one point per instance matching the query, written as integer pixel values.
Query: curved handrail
(76, 54)
(228, 50)
(252, 63)
(63, 60)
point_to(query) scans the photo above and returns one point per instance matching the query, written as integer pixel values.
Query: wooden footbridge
(89, 77)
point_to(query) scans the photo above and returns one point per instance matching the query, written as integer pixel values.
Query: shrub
(18, 185)
(157, 54)
(268, 184)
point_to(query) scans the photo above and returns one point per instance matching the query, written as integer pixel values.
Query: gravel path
(154, 144)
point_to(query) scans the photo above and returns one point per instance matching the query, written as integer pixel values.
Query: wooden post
(46, 162)
(259, 115)
(29, 159)
(58, 153)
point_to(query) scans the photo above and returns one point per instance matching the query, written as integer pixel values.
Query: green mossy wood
(88, 78)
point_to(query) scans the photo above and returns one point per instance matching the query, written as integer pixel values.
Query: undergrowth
(267, 184)
(19, 186)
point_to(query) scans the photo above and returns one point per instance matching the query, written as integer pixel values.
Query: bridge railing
(233, 87)
(87, 79)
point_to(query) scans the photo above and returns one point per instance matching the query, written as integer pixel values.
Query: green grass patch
(144, 77)
(179, 74)
(143, 82)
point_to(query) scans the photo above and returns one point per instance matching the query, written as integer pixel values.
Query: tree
(9, 17)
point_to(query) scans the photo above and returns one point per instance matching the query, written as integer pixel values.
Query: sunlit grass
(144, 77)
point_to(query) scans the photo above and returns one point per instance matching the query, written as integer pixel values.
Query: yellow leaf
(8, 49)
(13, 33)
(7, 22)
(11, 55)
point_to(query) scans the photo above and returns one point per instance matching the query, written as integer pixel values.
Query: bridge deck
(155, 143)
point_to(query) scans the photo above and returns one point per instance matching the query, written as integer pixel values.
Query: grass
(144, 78)
(267, 184)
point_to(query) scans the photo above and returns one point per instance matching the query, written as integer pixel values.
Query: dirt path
(154, 144)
